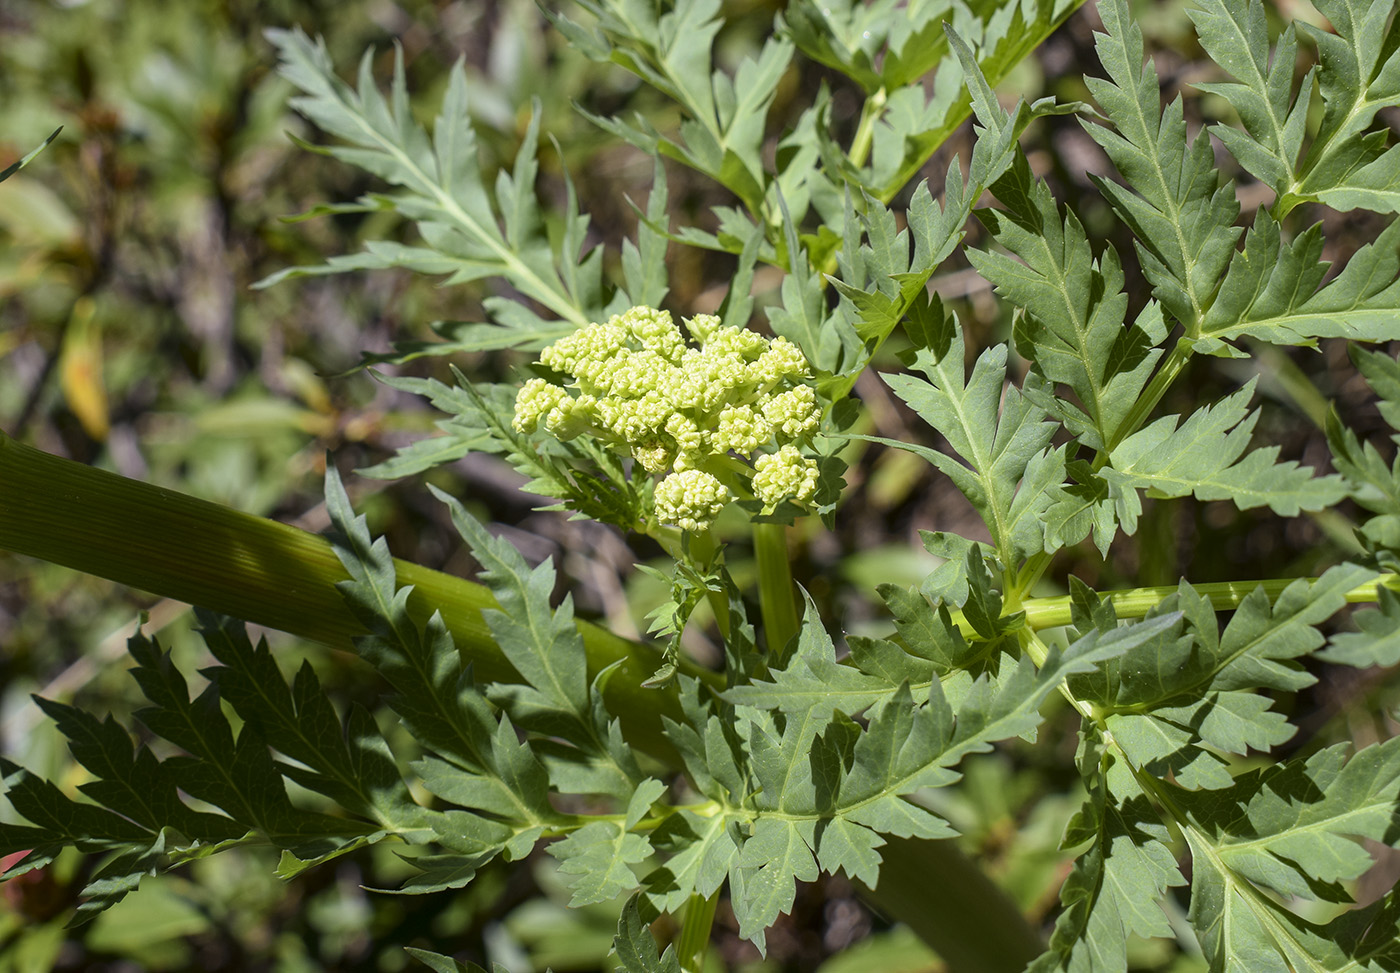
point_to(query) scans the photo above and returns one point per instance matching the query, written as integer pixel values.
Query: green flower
(634, 383)
(784, 475)
(690, 499)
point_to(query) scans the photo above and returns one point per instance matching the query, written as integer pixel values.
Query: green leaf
(1175, 701)
(994, 38)
(469, 235)
(1291, 828)
(1073, 328)
(926, 629)
(722, 136)
(446, 964)
(636, 949)
(1236, 37)
(701, 851)
(467, 425)
(525, 332)
(28, 157)
(763, 877)
(119, 875)
(1000, 436)
(1089, 505)
(44, 805)
(644, 268)
(1373, 482)
(421, 664)
(1348, 165)
(543, 645)
(842, 35)
(1173, 201)
(481, 764)
(1274, 291)
(826, 338)
(509, 781)
(594, 861)
(1378, 642)
(813, 683)
(1117, 884)
(1203, 457)
(880, 280)
(818, 791)
(349, 762)
(235, 774)
(910, 745)
(130, 781)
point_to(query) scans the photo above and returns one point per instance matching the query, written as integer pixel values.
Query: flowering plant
(810, 748)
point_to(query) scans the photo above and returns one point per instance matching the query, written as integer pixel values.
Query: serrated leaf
(1182, 217)
(770, 860)
(131, 782)
(1378, 641)
(813, 683)
(996, 431)
(988, 41)
(636, 949)
(236, 774)
(348, 762)
(701, 851)
(544, 645)
(119, 875)
(594, 861)
(469, 233)
(1073, 328)
(1236, 37)
(1273, 290)
(1203, 457)
(1173, 700)
(1291, 828)
(671, 51)
(1347, 166)
(1117, 885)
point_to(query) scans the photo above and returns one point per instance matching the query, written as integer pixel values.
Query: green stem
(268, 573)
(1278, 370)
(870, 113)
(695, 931)
(1223, 596)
(995, 68)
(1146, 402)
(700, 549)
(949, 903)
(775, 589)
(865, 131)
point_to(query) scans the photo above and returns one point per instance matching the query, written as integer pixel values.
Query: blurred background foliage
(131, 338)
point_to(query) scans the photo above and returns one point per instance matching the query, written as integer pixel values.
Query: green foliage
(24, 160)
(470, 231)
(810, 754)
(1346, 164)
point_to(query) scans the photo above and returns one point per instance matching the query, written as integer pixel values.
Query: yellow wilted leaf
(80, 370)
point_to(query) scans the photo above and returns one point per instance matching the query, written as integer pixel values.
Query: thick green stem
(695, 931)
(948, 902)
(264, 572)
(775, 589)
(281, 577)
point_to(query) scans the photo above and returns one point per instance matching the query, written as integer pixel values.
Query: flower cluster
(683, 410)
